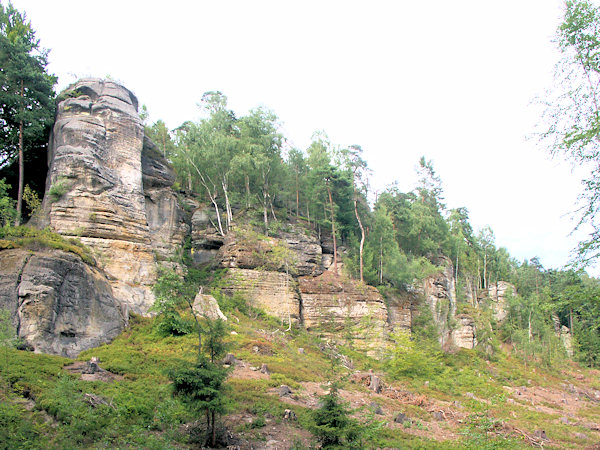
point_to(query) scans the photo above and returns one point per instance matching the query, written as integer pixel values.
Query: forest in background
(242, 166)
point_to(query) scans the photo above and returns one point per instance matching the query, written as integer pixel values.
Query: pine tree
(26, 93)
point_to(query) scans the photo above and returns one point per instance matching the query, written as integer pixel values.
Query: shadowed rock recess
(109, 186)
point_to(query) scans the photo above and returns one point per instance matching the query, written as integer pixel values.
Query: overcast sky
(451, 80)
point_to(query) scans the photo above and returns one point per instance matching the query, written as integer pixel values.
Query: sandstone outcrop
(166, 219)
(438, 291)
(464, 336)
(296, 250)
(400, 311)
(339, 307)
(59, 304)
(274, 292)
(498, 294)
(206, 240)
(107, 185)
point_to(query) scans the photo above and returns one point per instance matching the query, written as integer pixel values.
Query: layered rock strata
(166, 219)
(95, 189)
(275, 292)
(464, 336)
(338, 307)
(438, 291)
(499, 293)
(58, 303)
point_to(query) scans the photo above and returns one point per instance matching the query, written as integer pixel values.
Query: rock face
(400, 311)
(166, 219)
(274, 292)
(296, 250)
(206, 241)
(464, 336)
(438, 291)
(340, 307)
(95, 188)
(60, 305)
(498, 294)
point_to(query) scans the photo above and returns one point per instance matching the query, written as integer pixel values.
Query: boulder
(207, 306)
(401, 418)
(60, 305)
(284, 391)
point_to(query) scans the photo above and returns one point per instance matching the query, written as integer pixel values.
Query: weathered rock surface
(567, 339)
(464, 336)
(95, 160)
(498, 294)
(60, 305)
(439, 291)
(308, 254)
(400, 311)
(273, 292)
(207, 306)
(206, 240)
(166, 219)
(296, 250)
(339, 307)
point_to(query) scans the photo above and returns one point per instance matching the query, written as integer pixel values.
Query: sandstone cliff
(107, 185)
(59, 304)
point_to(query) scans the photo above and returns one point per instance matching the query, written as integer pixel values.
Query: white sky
(451, 80)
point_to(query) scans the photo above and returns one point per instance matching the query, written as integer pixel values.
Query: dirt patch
(245, 371)
(100, 374)
(274, 434)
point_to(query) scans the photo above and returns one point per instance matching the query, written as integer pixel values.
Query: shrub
(333, 425)
(7, 205)
(59, 188)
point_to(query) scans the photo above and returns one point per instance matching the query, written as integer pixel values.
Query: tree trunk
(227, 204)
(485, 269)
(297, 197)
(214, 430)
(247, 179)
(265, 213)
(335, 266)
(211, 194)
(380, 259)
(21, 168)
(362, 239)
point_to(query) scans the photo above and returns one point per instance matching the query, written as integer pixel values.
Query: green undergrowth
(34, 239)
(42, 405)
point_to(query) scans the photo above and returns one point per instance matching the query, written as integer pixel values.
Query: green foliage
(572, 116)
(410, 359)
(214, 344)
(7, 205)
(201, 386)
(172, 296)
(333, 425)
(32, 200)
(58, 189)
(26, 93)
(32, 238)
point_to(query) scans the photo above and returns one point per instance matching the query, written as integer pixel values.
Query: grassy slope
(43, 406)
